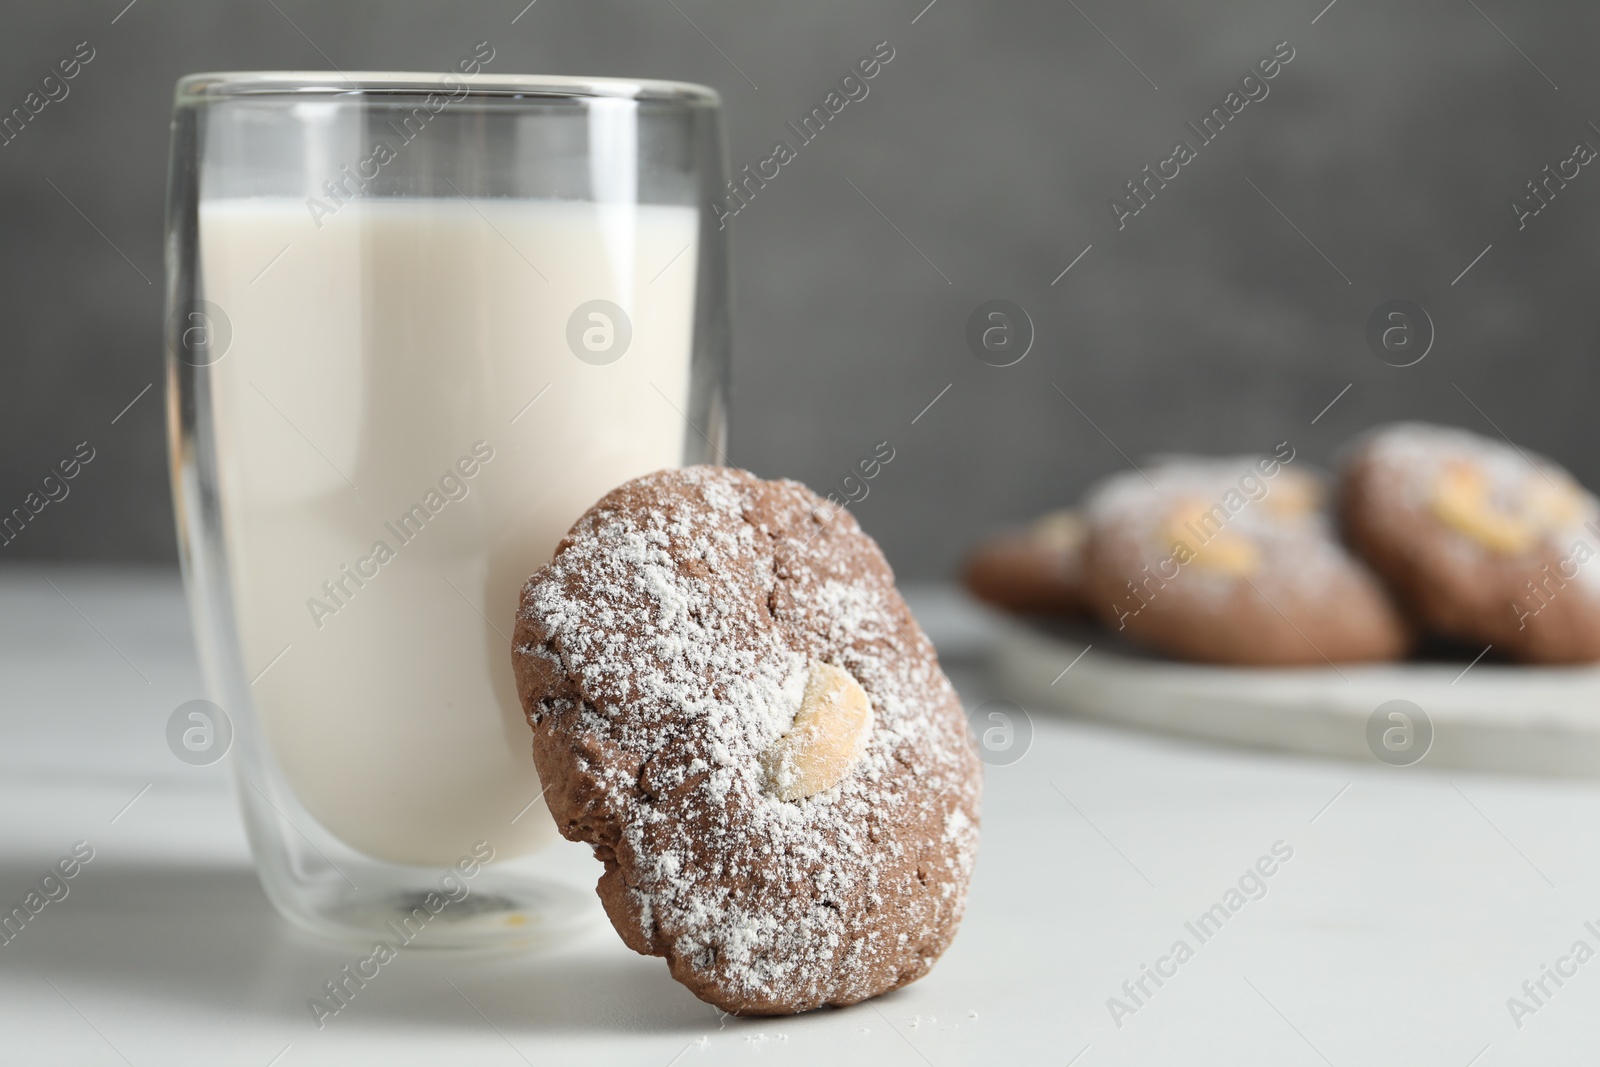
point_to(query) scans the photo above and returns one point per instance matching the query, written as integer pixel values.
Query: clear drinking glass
(416, 325)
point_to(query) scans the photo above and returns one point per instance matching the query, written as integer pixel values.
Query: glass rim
(218, 85)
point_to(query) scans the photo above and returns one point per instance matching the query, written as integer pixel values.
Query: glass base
(496, 913)
(480, 902)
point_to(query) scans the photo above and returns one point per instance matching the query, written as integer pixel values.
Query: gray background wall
(1393, 141)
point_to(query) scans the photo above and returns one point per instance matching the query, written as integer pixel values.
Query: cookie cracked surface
(663, 656)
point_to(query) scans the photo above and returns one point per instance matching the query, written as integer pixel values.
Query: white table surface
(1415, 904)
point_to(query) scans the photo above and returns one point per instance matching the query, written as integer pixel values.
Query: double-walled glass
(417, 324)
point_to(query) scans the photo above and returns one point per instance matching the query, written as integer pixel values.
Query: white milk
(374, 361)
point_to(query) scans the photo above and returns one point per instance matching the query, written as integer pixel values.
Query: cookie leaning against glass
(732, 704)
(1232, 561)
(1482, 542)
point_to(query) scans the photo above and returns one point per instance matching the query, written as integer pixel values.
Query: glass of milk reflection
(417, 324)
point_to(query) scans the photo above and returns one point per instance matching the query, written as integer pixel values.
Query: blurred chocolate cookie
(1482, 542)
(732, 704)
(1037, 569)
(1232, 561)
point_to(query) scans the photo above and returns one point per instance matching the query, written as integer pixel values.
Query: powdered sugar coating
(1484, 542)
(1299, 554)
(661, 652)
(1415, 456)
(1232, 560)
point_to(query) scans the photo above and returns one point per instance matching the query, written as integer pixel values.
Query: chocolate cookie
(1037, 569)
(732, 704)
(1233, 561)
(1483, 542)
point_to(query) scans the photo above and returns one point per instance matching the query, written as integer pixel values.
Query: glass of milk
(417, 324)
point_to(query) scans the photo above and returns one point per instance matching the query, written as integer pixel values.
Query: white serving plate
(1485, 716)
